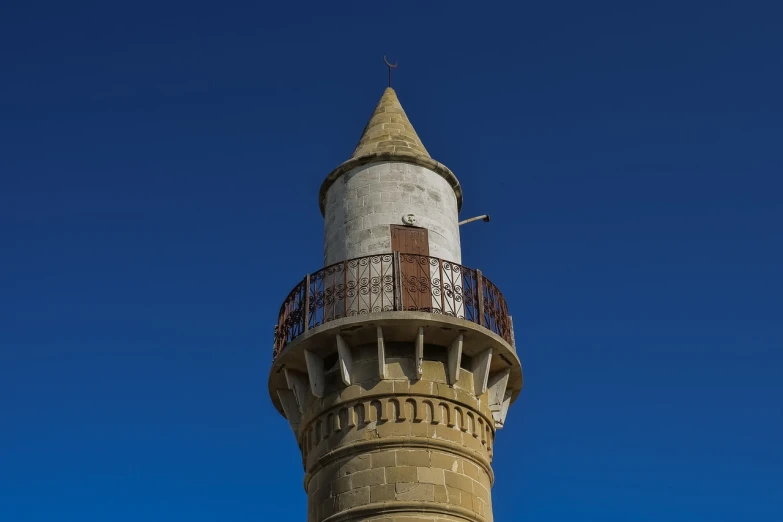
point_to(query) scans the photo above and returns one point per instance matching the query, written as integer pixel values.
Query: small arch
(343, 418)
(429, 412)
(396, 411)
(413, 410)
(350, 416)
(445, 413)
(377, 411)
(459, 418)
(328, 426)
(362, 413)
(472, 424)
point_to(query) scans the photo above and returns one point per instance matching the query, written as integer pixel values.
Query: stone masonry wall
(398, 449)
(362, 204)
(394, 485)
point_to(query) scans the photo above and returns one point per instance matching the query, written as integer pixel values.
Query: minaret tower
(394, 364)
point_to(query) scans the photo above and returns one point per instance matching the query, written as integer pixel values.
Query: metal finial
(391, 66)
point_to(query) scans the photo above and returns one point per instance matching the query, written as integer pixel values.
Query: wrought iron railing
(391, 282)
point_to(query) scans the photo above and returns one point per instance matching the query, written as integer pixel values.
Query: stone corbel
(291, 409)
(480, 371)
(455, 358)
(381, 354)
(496, 387)
(297, 383)
(420, 352)
(345, 360)
(503, 410)
(315, 371)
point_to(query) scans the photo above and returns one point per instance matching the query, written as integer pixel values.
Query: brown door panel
(415, 264)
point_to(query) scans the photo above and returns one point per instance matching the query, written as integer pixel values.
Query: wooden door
(410, 240)
(415, 266)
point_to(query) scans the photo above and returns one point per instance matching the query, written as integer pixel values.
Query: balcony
(387, 283)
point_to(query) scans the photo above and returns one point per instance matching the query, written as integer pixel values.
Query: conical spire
(389, 131)
(389, 137)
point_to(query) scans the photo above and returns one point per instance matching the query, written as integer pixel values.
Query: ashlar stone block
(431, 475)
(353, 498)
(369, 477)
(406, 474)
(415, 492)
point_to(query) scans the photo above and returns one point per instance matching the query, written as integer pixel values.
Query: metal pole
(442, 286)
(307, 303)
(397, 282)
(511, 327)
(484, 217)
(480, 285)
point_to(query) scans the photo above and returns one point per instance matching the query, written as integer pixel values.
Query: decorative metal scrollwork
(290, 320)
(370, 284)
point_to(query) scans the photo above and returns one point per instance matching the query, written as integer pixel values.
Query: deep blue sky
(159, 170)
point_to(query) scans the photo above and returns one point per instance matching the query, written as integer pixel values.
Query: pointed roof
(389, 130)
(390, 137)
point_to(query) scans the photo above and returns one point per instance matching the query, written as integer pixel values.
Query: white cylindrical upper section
(363, 203)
